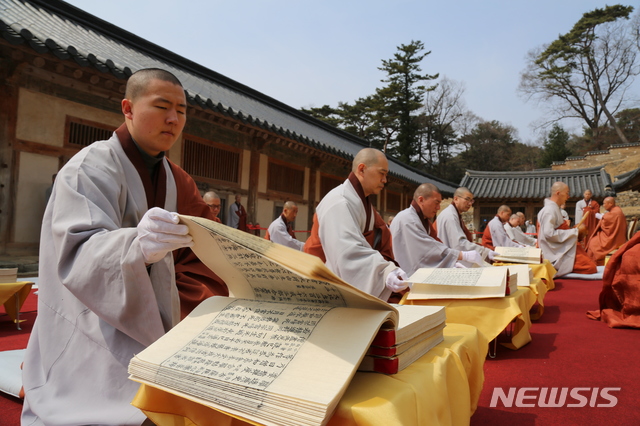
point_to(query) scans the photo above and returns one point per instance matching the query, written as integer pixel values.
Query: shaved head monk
(514, 230)
(559, 244)
(281, 230)
(416, 244)
(116, 261)
(351, 237)
(451, 228)
(212, 199)
(610, 233)
(494, 234)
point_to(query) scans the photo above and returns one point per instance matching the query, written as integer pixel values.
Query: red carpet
(567, 351)
(11, 338)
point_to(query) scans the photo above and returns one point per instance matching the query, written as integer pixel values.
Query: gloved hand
(472, 256)
(599, 215)
(397, 280)
(492, 254)
(159, 233)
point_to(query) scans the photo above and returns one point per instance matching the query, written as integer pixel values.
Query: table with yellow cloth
(442, 387)
(491, 315)
(13, 295)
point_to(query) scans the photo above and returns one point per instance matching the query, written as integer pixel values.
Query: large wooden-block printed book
(282, 349)
(454, 283)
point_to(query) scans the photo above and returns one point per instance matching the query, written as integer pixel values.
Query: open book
(282, 350)
(458, 283)
(530, 255)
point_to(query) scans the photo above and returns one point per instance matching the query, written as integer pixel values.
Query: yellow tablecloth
(440, 388)
(8, 294)
(491, 316)
(538, 289)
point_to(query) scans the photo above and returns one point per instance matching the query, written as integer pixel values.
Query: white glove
(492, 254)
(599, 215)
(397, 280)
(472, 256)
(460, 265)
(159, 233)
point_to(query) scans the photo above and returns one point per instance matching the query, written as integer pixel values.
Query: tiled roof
(627, 181)
(69, 33)
(535, 184)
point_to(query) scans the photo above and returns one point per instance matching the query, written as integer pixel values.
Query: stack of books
(394, 349)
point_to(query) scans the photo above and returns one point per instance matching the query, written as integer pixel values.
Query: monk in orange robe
(620, 295)
(583, 206)
(610, 233)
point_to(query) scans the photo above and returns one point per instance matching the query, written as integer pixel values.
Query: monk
(237, 215)
(587, 204)
(351, 237)
(281, 230)
(415, 243)
(452, 230)
(113, 254)
(495, 235)
(620, 295)
(559, 244)
(515, 232)
(610, 233)
(212, 199)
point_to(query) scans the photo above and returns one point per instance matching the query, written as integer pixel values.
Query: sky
(314, 53)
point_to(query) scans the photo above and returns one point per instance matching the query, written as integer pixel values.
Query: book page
(304, 352)
(450, 276)
(254, 268)
(519, 254)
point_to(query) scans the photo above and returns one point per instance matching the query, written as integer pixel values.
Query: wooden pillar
(8, 119)
(313, 164)
(257, 145)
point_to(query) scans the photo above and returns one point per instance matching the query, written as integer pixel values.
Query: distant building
(525, 191)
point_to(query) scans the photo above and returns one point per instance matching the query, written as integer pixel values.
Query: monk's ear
(360, 168)
(127, 108)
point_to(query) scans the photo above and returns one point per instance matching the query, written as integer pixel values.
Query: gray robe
(97, 303)
(452, 235)
(278, 234)
(341, 228)
(414, 248)
(558, 245)
(499, 235)
(516, 234)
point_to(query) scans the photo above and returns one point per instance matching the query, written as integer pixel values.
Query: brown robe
(583, 264)
(610, 233)
(620, 295)
(591, 221)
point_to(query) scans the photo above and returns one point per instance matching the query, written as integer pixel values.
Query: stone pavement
(27, 265)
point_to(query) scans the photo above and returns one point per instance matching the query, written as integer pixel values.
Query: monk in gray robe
(452, 230)
(415, 243)
(108, 275)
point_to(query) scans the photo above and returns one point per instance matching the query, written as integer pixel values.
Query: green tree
(555, 147)
(585, 73)
(402, 98)
(493, 146)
